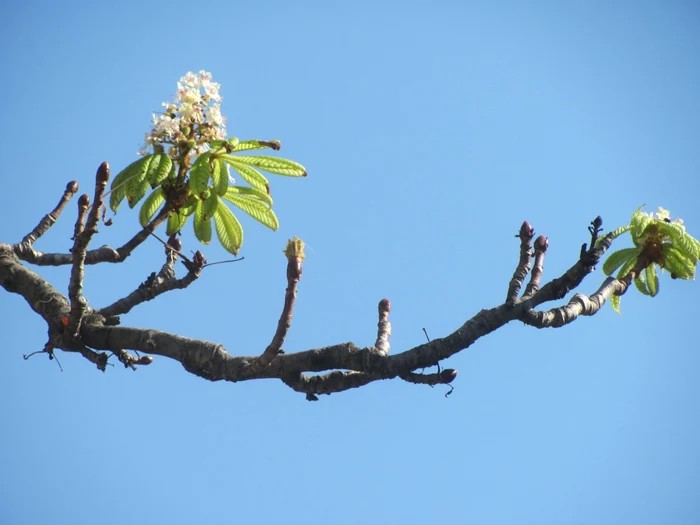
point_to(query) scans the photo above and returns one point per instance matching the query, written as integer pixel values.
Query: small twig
(224, 262)
(295, 257)
(383, 328)
(50, 219)
(82, 239)
(526, 234)
(541, 245)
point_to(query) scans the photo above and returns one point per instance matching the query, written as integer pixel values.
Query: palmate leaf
(618, 258)
(651, 276)
(128, 180)
(209, 205)
(151, 205)
(681, 240)
(202, 224)
(228, 229)
(615, 303)
(219, 176)
(639, 224)
(248, 174)
(134, 196)
(249, 145)
(160, 168)
(175, 223)
(273, 165)
(679, 264)
(260, 211)
(641, 285)
(199, 174)
(250, 193)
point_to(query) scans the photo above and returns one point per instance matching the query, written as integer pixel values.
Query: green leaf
(615, 303)
(199, 174)
(133, 197)
(678, 263)
(251, 193)
(228, 229)
(273, 165)
(639, 224)
(151, 205)
(626, 267)
(161, 166)
(641, 285)
(219, 176)
(127, 181)
(616, 259)
(248, 174)
(209, 205)
(681, 240)
(256, 209)
(652, 279)
(202, 224)
(175, 223)
(249, 145)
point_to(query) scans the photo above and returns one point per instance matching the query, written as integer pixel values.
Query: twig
(526, 234)
(383, 328)
(82, 239)
(541, 245)
(295, 257)
(50, 219)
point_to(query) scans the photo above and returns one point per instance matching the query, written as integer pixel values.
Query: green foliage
(207, 188)
(659, 245)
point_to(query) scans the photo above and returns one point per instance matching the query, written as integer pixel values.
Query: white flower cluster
(664, 215)
(195, 115)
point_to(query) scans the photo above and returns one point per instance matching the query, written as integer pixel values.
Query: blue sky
(429, 134)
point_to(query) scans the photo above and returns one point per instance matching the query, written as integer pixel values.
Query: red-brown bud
(103, 173)
(448, 375)
(541, 244)
(526, 231)
(385, 305)
(73, 187)
(84, 201)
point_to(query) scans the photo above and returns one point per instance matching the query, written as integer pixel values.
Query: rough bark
(75, 327)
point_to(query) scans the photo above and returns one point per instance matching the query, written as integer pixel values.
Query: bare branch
(526, 234)
(50, 219)
(341, 366)
(295, 258)
(78, 304)
(159, 284)
(541, 244)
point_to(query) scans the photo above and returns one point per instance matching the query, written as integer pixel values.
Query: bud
(73, 187)
(84, 201)
(103, 173)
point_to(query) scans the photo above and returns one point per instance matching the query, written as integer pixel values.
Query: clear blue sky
(429, 135)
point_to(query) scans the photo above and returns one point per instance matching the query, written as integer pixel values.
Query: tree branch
(341, 366)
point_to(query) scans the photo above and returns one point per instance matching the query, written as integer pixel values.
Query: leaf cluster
(205, 189)
(659, 245)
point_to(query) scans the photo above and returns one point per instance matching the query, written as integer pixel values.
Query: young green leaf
(256, 209)
(228, 229)
(250, 193)
(652, 279)
(219, 176)
(678, 263)
(641, 285)
(199, 174)
(151, 205)
(209, 205)
(618, 258)
(133, 197)
(128, 179)
(615, 303)
(202, 224)
(274, 165)
(175, 223)
(248, 174)
(160, 168)
(249, 145)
